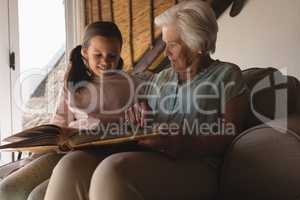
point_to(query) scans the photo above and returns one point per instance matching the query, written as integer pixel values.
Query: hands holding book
(52, 137)
(169, 141)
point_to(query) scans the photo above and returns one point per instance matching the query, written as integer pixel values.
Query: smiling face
(102, 54)
(178, 52)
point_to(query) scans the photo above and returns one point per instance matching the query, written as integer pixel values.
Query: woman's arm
(235, 113)
(190, 145)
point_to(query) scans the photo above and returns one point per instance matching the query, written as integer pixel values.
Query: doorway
(32, 45)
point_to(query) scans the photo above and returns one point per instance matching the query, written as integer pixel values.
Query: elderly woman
(198, 104)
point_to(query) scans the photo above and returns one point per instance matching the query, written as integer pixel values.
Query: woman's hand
(139, 113)
(169, 142)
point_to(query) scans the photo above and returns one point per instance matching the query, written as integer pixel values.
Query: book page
(48, 130)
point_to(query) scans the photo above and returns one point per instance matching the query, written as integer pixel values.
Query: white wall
(266, 33)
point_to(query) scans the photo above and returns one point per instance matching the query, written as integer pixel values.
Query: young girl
(96, 90)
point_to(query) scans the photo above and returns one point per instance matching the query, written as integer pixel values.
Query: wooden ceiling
(142, 49)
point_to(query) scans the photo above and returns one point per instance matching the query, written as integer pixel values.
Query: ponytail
(78, 71)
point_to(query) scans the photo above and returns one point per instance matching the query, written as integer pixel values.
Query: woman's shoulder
(227, 67)
(167, 74)
(168, 71)
(224, 70)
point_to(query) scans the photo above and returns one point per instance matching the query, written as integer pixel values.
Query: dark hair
(78, 71)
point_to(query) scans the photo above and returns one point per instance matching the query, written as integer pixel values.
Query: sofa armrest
(263, 162)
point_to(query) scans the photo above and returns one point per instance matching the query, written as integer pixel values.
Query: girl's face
(102, 54)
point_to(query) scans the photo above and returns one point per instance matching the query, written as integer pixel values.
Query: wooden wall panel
(88, 11)
(121, 16)
(106, 7)
(141, 27)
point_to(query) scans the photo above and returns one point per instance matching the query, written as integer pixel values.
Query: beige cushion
(263, 163)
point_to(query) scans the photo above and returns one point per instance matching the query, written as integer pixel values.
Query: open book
(51, 137)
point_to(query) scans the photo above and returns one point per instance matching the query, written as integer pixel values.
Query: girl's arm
(63, 115)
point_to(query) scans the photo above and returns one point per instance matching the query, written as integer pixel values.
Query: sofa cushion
(264, 162)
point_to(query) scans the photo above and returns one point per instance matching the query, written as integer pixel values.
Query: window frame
(75, 22)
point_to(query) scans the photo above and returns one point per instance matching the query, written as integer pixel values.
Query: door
(7, 74)
(33, 39)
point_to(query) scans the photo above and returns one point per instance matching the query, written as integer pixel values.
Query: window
(40, 34)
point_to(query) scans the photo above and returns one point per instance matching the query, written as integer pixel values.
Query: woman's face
(178, 52)
(102, 54)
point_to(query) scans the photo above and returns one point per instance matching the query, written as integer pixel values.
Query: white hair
(196, 22)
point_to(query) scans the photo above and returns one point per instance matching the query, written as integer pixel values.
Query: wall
(266, 33)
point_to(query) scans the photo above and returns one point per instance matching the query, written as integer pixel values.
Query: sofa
(263, 162)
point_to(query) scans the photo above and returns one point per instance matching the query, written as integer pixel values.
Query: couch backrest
(272, 95)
